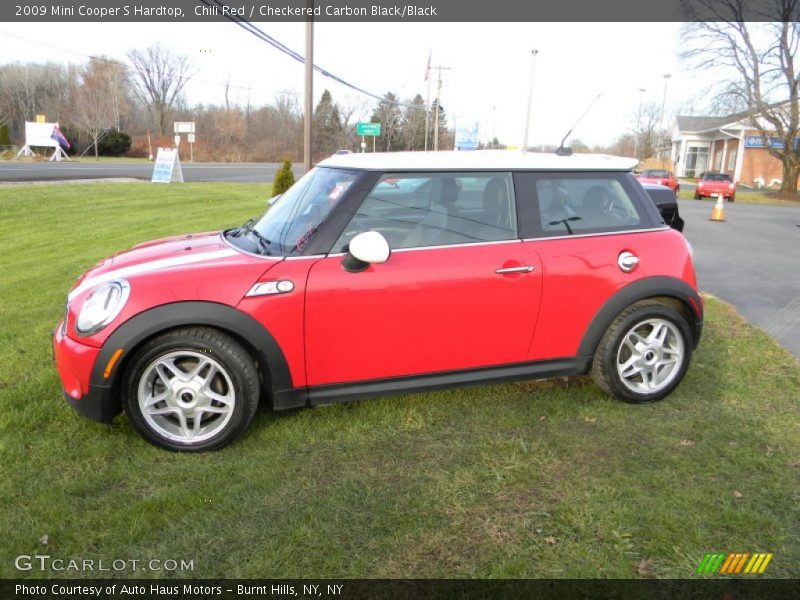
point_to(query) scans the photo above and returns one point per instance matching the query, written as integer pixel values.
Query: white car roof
(478, 160)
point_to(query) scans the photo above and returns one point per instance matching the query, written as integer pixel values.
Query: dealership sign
(756, 141)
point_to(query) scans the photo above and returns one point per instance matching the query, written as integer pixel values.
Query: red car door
(581, 224)
(438, 305)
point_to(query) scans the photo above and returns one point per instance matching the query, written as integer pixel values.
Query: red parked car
(715, 184)
(660, 177)
(467, 268)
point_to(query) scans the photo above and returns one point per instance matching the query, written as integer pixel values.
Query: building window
(696, 161)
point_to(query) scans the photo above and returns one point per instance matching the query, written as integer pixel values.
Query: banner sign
(368, 129)
(467, 137)
(756, 141)
(168, 167)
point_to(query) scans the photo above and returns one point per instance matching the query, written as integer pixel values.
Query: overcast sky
(488, 81)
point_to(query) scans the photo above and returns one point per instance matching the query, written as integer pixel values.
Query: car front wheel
(644, 353)
(191, 389)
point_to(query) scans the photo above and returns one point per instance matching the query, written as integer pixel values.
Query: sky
(490, 66)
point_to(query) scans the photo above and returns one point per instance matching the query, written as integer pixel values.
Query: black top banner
(397, 11)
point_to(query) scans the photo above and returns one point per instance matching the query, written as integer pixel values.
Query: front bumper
(75, 363)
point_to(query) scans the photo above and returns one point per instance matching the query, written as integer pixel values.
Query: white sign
(191, 138)
(167, 168)
(42, 134)
(177, 140)
(183, 126)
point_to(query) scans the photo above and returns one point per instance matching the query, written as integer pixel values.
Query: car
(660, 177)
(667, 204)
(384, 273)
(715, 184)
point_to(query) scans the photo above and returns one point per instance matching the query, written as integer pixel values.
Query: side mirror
(273, 200)
(366, 249)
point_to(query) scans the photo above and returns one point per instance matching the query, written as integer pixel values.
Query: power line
(265, 37)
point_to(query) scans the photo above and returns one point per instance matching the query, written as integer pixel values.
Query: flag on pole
(428, 68)
(60, 137)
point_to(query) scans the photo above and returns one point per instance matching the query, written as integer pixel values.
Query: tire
(732, 198)
(696, 196)
(185, 375)
(646, 381)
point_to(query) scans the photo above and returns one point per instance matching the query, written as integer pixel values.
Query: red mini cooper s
(385, 273)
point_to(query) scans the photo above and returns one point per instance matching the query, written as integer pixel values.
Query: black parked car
(667, 204)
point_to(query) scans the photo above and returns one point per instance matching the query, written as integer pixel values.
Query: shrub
(114, 143)
(284, 178)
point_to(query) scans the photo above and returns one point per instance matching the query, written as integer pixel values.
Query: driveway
(752, 260)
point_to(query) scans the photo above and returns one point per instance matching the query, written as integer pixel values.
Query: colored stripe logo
(735, 563)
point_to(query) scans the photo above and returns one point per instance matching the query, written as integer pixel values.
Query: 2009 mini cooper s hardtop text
(381, 273)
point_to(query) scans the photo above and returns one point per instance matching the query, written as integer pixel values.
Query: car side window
(435, 209)
(569, 205)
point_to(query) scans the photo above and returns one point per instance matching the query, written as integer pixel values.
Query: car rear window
(570, 205)
(655, 173)
(717, 177)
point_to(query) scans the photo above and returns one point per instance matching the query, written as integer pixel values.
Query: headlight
(102, 306)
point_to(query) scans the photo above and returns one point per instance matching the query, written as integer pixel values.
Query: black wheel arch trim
(649, 287)
(181, 314)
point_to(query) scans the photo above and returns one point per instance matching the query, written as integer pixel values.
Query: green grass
(751, 197)
(549, 479)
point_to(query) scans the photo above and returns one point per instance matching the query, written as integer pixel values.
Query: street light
(663, 104)
(638, 124)
(530, 97)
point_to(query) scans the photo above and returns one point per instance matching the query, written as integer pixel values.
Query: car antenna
(561, 151)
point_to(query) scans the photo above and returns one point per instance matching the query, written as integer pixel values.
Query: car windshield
(655, 173)
(291, 222)
(716, 177)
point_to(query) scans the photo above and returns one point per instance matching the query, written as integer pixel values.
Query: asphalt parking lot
(751, 260)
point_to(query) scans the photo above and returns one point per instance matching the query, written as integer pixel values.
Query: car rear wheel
(696, 196)
(644, 354)
(191, 389)
(732, 198)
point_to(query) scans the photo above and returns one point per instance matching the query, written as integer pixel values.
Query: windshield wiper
(249, 228)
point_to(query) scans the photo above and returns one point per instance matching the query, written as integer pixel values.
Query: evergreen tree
(284, 178)
(443, 133)
(389, 115)
(327, 126)
(414, 124)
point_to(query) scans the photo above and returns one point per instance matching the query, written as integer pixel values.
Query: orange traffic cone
(718, 212)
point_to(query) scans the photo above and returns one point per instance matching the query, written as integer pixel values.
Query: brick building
(725, 144)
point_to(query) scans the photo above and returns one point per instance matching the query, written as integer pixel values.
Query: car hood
(177, 252)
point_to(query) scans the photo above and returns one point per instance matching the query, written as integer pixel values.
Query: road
(751, 260)
(86, 169)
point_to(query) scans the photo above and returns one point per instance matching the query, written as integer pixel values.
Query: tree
(94, 106)
(388, 114)
(284, 178)
(646, 132)
(327, 126)
(758, 63)
(159, 79)
(413, 124)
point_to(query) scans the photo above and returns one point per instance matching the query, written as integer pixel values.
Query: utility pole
(439, 69)
(309, 91)
(530, 98)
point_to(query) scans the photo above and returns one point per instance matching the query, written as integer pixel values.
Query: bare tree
(758, 64)
(159, 78)
(95, 102)
(646, 132)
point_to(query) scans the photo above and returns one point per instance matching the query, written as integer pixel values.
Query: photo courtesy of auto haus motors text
(161, 590)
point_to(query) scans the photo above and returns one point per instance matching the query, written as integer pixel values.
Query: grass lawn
(749, 197)
(549, 479)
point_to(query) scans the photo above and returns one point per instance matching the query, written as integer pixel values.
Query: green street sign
(368, 128)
